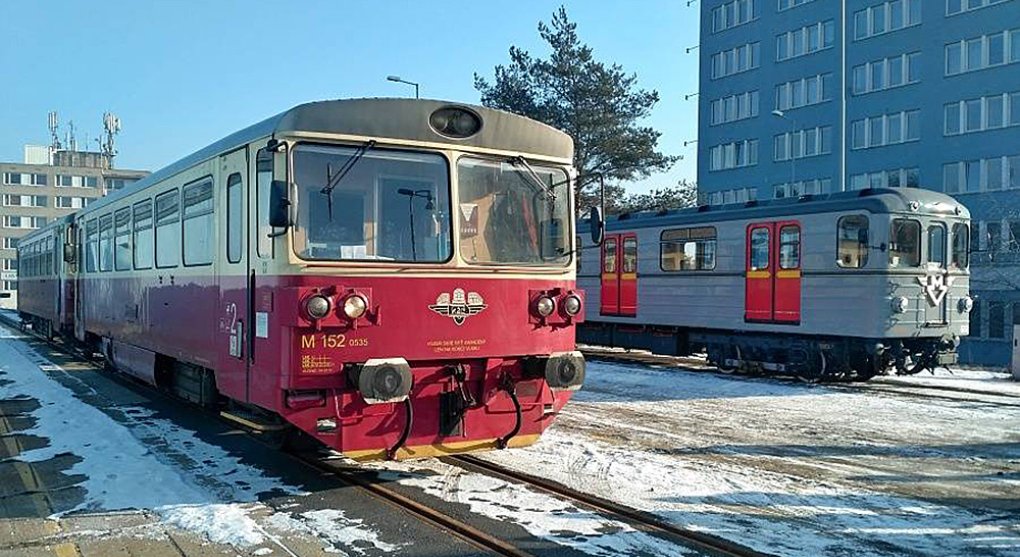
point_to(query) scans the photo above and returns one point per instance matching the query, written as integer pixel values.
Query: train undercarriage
(809, 358)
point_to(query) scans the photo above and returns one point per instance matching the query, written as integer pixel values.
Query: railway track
(927, 392)
(706, 543)
(352, 477)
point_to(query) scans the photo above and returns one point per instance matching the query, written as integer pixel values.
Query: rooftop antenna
(54, 125)
(69, 139)
(111, 123)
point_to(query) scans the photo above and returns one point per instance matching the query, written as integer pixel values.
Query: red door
(619, 275)
(772, 283)
(610, 276)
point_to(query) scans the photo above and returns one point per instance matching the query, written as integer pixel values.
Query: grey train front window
(513, 213)
(905, 243)
(687, 249)
(852, 242)
(937, 244)
(961, 245)
(390, 206)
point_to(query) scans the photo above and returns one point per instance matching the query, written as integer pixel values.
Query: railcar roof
(383, 118)
(886, 200)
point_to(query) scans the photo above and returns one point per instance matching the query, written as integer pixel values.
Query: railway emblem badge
(459, 306)
(936, 287)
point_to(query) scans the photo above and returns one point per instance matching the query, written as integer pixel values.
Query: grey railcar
(841, 286)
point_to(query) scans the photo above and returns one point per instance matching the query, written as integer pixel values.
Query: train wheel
(816, 368)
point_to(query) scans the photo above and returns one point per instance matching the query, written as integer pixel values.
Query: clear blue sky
(183, 74)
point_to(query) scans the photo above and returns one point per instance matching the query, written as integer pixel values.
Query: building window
(804, 92)
(687, 249)
(11, 285)
(815, 186)
(13, 200)
(982, 114)
(114, 184)
(887, 73)
(10, 243)
(806, 40)
(975, 319)
(198, 223)
(787, 4)
(734, 13)
(954, 7)
(740, 59)
(991, 174)
(734, 107)
(804, 143)
(886, 18)
(983, 52)
(13, 178)
(737, 195)
(734, 155)
(896, 178)
(996, 320)
(887, 129)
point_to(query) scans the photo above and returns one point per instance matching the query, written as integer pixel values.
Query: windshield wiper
(535, 179)
(333, 180)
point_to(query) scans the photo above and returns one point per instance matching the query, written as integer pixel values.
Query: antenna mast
(54, 125)
(111, 123)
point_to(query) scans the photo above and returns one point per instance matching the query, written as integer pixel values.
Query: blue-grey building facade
(814, 96)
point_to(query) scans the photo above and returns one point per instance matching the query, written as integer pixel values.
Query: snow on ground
(787, 468)
(541, 515)
(134, 460)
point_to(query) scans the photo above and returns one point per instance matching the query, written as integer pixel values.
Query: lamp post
(793, 130)
(396, 79)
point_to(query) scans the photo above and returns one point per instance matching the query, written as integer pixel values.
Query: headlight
(900, 304)
(317, 306)
(544, 306)
(965, 304)
(355, 306)
(572, 305)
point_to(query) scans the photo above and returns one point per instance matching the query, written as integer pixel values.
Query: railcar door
(235, 264)
(619, 275)
(610, 297)
(772, 286)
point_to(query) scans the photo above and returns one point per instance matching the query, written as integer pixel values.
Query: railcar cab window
(937, 244)
(390, 206)
(92, 246)
(905, 243)
(852, 242)
(168, 232)
(687, 249)
(961, 245)
(106, 243)
(513, 213)
(122, 239)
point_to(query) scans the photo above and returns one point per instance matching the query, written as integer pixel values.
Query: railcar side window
(759, 249)
(168, 232)
(263, 182)
(106, 243)
(143, 234)
(122, 239)
(905, 243)
(630, 255)
(789, 247)
(235, 218)
(687, 249)
(961, 243)
(852, 241)
(91, 246)
(198, 223)
(609, 256)
(937, 244)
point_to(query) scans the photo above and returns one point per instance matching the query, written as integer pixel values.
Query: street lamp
(396, 79)
(793, 160)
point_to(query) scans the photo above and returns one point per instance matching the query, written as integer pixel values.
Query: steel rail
(457, 527)
(643, 521)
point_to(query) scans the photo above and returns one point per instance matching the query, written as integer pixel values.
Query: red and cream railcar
(394, 277)
(45, 280)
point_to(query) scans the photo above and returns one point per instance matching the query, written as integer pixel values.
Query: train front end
(429, 285)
